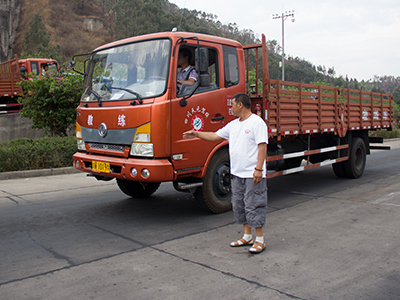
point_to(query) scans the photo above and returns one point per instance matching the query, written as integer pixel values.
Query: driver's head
(185, 56)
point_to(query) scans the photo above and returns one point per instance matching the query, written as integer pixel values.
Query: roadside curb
(37, 173)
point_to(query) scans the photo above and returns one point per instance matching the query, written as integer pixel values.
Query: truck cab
(38, 66)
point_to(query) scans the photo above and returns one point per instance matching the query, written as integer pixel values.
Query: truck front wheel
(136, 189)
(215, 194)
(338, 169)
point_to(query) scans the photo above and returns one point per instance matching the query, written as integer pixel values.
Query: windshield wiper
(95, 94)
(139, 99)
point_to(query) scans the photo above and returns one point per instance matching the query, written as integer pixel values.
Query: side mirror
(202, 60)
(204, 80)
(70, 65)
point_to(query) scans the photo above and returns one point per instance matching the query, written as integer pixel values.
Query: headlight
(81, 145)
(80, 142)
(142, 149)
(141, 145)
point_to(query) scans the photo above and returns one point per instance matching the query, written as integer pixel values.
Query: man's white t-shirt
(244, 137)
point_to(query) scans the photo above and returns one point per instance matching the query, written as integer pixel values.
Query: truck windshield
(132, 71)
(53, 68)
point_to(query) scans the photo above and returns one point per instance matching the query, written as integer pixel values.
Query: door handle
(218, 118)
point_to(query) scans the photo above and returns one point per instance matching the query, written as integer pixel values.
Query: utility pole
(284, 16)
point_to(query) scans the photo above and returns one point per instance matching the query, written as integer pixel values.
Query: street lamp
(284, 16)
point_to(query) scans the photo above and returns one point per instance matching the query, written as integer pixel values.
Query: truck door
(205, 110)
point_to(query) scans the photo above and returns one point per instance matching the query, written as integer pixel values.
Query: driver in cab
(187, 75)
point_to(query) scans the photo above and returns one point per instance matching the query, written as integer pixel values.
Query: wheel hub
(222, 180)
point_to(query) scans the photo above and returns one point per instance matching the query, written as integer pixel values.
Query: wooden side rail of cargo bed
(291, 108)
(10, 75)
(298, 108)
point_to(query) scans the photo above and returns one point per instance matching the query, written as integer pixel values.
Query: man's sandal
(241, 242)
(257, 248)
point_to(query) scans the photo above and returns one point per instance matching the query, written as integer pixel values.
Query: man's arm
(191, 80)
(262, 154)
(207, 136)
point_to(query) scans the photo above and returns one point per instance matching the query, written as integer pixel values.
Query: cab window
(186, 89)
(231, 66)
(186, 73)
(213, 69)
(35, 67)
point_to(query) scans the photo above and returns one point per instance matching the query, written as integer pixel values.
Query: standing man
(247, 136)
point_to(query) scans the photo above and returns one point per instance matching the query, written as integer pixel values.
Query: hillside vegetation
(57, 28)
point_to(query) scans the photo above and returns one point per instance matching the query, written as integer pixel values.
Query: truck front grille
(110, 147)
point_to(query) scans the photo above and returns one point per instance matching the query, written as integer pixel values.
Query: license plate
(100, 166)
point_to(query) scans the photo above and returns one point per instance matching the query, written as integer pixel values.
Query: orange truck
(10, 74)
(133, 113)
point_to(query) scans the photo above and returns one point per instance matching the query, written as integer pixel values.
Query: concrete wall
(12, 127)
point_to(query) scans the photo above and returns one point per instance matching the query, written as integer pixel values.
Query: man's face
(236, 108)
(181, 60)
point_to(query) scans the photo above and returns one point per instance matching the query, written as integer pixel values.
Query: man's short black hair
(186, 53)
(244, 99)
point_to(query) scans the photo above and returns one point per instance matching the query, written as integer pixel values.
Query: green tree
(135, 17)
(50, 101)
(36, 39)
(82, 3)
(396, 95)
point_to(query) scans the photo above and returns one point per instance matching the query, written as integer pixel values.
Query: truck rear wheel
(215, 194)
(137, 189)
(354, 167)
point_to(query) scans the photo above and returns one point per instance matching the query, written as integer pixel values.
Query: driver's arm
(192, 78)
(190, 81)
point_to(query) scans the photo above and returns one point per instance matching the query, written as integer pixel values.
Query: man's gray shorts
(249, 201)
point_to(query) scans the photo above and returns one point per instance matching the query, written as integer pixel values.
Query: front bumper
(160, 169)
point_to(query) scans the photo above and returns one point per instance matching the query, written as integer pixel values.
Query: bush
(386, 134)
(50, 101)
(40, 153)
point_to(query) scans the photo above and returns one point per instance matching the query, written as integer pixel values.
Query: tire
(137, 189)
(354, 167)
(215, 194)
(339, 170)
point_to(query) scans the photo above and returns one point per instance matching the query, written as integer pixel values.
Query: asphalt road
(72, 237)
